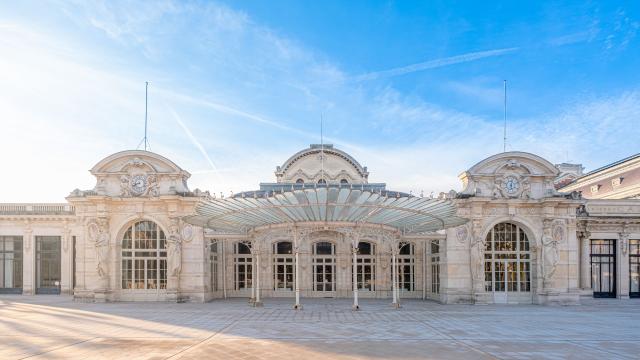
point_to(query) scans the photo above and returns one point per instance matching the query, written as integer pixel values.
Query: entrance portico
(371, 224)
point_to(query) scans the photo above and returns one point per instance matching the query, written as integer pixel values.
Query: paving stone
(56, 327)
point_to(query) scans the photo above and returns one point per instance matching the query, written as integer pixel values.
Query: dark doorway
(48, 263)
(603, 268)
(634, 268)
(10, 264)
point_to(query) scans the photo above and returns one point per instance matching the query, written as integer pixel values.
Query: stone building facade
(530, 235)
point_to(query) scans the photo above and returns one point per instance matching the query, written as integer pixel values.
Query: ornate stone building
(519, 231)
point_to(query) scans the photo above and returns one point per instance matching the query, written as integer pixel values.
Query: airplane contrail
(432, 64)
(196, 143)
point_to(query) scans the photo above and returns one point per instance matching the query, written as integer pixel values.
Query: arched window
(322, 181)
(144, 257)
(366, 266)
(324, 266)
(507, 259)
(344, 181)
(405, 266)
(283, 265)
(300, 181)
(242, 259)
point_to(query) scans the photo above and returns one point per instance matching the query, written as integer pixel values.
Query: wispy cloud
(436, 63)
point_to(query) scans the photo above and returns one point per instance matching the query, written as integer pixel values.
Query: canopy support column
(252, 300)
(258, 303)
(394, 280)
(354, 249)
(424, 270)
(224, 269)
(297, 305)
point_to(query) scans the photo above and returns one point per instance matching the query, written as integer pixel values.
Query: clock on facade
(138, 184)
(511, 185)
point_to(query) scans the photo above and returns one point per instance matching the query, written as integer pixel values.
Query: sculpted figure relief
(526, 190)
(549, 251)
(152, 180)
(99, 235)
(125, 186)
(478, 243)
(174, 250)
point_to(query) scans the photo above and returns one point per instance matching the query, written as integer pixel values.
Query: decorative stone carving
(98, 233)
(152, 185)
(174, 249)
(526, 189)
(125, 186)
(558, 233)
(478, 244)
(624, 240)
(187, 232)
(549, 251)
(462, 232)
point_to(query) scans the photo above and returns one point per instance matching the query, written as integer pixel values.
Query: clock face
(139, 184)
(511, 185)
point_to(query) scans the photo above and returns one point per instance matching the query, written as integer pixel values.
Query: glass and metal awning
(243, 212)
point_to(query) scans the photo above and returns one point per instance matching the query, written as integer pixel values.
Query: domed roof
(322, 161)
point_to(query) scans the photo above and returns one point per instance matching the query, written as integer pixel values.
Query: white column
(224, 269)
(585, 262)
(394, 279)
(253, 275)
(623, 261)
(424, 270)
(28, 262)
(296, 276)
(354, 249)
(258, 302)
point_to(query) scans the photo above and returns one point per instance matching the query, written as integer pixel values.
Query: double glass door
(48, 263)
(505, 279)
(10, 264)
(634, 268)
(323, 274)
(603, 268)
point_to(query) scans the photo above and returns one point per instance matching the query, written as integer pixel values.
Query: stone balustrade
(36, 209)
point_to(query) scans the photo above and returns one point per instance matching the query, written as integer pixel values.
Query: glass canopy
(247, 211)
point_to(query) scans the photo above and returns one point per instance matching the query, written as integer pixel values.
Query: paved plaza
(56, 327)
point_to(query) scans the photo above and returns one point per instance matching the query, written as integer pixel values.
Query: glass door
(603, 268)
(323, 274)
(634, 268)
(10, 264)
(324, 268)
(48, 261)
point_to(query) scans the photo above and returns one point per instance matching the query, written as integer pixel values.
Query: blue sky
(413, 90)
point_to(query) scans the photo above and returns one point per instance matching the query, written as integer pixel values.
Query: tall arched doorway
(144, 257)
(507, 264)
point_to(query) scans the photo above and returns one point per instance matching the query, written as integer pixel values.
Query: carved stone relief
(98, 233)
(174, 249)
(550, 254)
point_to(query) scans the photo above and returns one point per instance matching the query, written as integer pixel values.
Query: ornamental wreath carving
(462, 233)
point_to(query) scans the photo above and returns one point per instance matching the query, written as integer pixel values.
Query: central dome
(322, 164)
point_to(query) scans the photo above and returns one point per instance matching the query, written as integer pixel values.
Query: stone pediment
(511, 175)
(137, 173)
